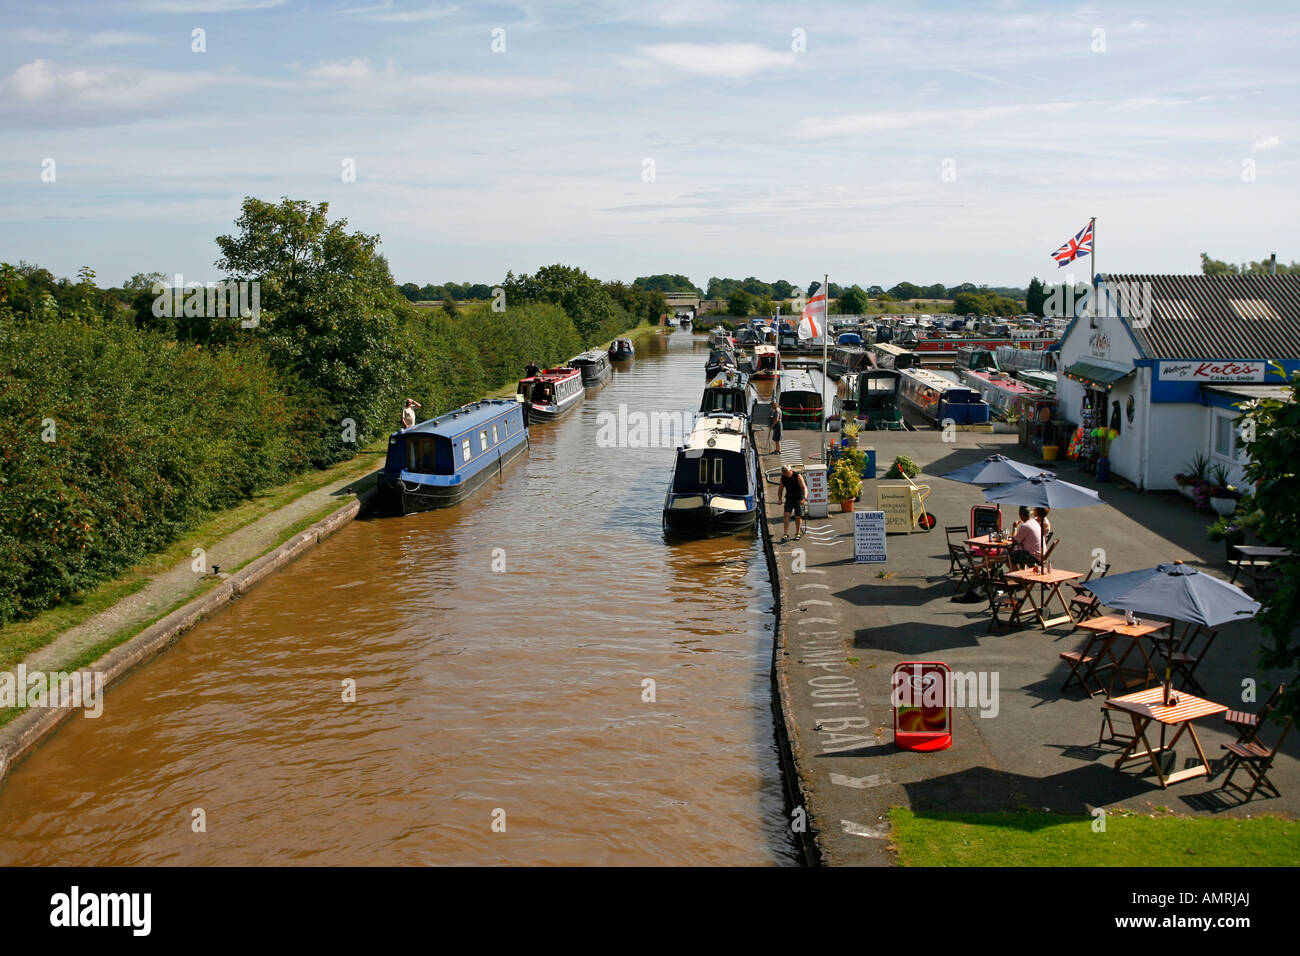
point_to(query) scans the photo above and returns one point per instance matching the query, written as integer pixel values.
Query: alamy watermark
(923, 688)
(1111, 299)
(633, 429)
(212, 300)
(24, 688)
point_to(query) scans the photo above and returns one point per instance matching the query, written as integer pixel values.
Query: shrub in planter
(844, 484)
(903, 467)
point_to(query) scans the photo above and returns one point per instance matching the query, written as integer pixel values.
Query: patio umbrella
(1045, 490)
(1175, 591)
(1179, 593)
(994, 470)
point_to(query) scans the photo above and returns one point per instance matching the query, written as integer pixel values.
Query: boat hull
(705, 521)
(398, 497)
(550, 413)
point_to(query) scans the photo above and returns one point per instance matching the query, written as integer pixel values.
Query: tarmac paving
(1025, 744)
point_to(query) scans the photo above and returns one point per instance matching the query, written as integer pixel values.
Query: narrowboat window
(494, 435)
(482, 440)
(717, 471)
(704, 470)
(465, 450)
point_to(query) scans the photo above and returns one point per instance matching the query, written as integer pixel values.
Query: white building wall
(1178, 431)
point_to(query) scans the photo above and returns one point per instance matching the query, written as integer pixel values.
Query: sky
(877, 142)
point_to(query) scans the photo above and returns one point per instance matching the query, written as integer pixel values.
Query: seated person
(1026, 541)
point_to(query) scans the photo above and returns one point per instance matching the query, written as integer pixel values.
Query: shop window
(1225, 438)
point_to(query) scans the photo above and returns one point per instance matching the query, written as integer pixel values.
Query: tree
(581, 296)
(143, 281)
(905, 291)
(330, 313)
(1215, 267)
(854, 301)
(964, 287)
(740, 303)
(875, 291)
(936, 291)
(782, 289)
(1035, 296)
(667, 283)
(1273, 430)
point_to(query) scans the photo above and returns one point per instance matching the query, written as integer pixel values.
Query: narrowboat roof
(1006, 382)
(764, 349)
(797, 380)
(592, 357)
(552, 375)
(463, 419)
(728, 378)
(725, 432)
(931, 378)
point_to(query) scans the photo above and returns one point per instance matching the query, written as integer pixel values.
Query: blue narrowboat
(621, 350)
(713, 488)
(444, 460)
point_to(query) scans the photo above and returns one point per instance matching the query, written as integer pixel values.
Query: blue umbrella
(994, 470)
(1042, 491)
(1175, 591)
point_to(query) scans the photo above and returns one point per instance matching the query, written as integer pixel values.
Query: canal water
(604, 699)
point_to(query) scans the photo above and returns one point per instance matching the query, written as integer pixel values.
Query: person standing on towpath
(408, 413)
(794, 491)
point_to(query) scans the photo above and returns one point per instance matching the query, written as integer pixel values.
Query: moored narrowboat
(550, 395)
(871, 395)
(728, 393)
(765, 362)
(594, 366)
(444, 460)
(801, 400)
(621, 350)
(713, 487)
(937, 398)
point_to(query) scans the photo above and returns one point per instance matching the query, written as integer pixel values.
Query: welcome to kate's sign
(1212, 371)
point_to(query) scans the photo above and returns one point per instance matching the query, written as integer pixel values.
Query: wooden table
(1148, 705)
(1257, 562)
(1049, 588)
(1118, 624)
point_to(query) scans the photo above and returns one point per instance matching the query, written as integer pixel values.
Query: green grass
(1130, 839)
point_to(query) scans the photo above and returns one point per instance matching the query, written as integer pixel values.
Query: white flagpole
(1092, 256)
(826, 315)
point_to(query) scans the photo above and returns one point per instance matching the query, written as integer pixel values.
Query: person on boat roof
(408, 413)
(532, 370)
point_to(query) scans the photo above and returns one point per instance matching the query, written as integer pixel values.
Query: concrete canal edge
(22, 735)
(789, 749)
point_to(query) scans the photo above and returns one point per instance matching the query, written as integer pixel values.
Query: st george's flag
(812, 321)
(1076, 248)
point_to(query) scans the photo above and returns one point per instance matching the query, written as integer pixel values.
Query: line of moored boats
(444, 460)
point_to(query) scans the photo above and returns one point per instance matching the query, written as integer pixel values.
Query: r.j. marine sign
(1218, 371)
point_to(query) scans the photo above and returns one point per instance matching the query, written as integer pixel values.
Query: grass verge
(1052, 839)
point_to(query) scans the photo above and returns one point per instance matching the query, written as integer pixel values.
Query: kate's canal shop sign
(1212, 371)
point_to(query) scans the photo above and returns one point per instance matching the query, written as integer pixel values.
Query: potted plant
(903, 467)
(1223, 496)
(845, 483)
(850, 432)
(1228, 530)
(1193, 476)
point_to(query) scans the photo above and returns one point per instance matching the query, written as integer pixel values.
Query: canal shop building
(1160, 362)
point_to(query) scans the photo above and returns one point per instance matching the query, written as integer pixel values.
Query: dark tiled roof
(1201, 317)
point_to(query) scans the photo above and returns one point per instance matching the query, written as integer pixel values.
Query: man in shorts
(776, 428)
(795, 493)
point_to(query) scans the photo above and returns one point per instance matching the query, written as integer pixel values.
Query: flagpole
(826, 317)
(1092, 258)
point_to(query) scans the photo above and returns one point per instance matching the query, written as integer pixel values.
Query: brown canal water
(481, 695)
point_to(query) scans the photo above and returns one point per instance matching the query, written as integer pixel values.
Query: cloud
(732, 61)
(108, 38)
(207, 6)
(393, 88)
(386, 12)
(1266, 142)
(50, 93)
(47, 37)
(836, 126)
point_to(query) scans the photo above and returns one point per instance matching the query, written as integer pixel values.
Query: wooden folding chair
(1184, 663)
(955, 548)
(1004, 594)
(1084, 604)
(1245, 723)
(1048, 553)
(1086, 662)
(1256, 759)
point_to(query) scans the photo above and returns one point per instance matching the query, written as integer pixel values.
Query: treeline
(901, 292)
(1216, 267)
(122, 426)
(460, 292)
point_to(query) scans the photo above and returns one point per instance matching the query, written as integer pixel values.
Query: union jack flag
(1076, 248)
